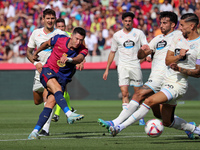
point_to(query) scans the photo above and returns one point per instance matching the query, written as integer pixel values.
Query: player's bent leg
(170, 120)
(142, 93)
(156, 110)
(38, 97)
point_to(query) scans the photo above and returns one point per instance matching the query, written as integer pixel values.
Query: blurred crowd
(100, 18)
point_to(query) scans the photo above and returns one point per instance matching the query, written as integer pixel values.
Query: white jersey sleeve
(114, 45)
(143, 39)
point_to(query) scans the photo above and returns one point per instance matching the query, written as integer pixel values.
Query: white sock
(137, 115)
(181, 124)
(124, 105)
(47, 124)
(125, 113)
(197, 130)
(68, 113)
(35, 130)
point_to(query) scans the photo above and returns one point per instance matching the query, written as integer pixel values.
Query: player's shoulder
(137, 31)
(58, 31)
(38, 31)
(176, 33)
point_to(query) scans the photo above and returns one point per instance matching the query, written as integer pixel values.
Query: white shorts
(129, 76)
(155, 84)
(173, 91)
(43, 56)
(37, 86)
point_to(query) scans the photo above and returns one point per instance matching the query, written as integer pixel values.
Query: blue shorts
(47, 74)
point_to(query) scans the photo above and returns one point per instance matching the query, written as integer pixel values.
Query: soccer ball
(154, 128)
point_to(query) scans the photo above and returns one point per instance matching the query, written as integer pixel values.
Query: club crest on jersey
(60, 64)
(129, 44)
(160, 45)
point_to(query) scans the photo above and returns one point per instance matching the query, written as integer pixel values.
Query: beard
(185, 35)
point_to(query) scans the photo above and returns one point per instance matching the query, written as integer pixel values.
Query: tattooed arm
(29, 54)
(190, 72)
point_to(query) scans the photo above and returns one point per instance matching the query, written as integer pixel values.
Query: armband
(36, 62)
(69, 59)
(198, 62)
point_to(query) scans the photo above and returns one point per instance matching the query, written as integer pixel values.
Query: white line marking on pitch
(100, 137)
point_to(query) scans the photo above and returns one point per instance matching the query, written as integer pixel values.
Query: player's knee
(149, 101)
(125, 94)
(138, 95)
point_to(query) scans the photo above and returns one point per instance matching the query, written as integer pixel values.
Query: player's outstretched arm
(190, 72)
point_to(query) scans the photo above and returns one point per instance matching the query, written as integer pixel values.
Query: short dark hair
(60, 20)
(127, 14)
(190, 17)
(80, 31)
(171, 15)
(49, 11)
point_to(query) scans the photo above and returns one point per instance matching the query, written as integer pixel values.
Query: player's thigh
(173, 91)
(53, 85)
(158, 98)
(123, 76)
(154, 83)
(167, 113)
(135, 75)
(142, 93)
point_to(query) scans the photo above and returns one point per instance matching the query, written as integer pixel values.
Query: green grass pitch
(18, 118)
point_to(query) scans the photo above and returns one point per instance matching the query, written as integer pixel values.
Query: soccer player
(184, 53)
(36, 39)
(60, 24)
(58, 71)
(127, 41)
(158, 47)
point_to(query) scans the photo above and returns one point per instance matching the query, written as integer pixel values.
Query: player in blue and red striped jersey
(58, 71)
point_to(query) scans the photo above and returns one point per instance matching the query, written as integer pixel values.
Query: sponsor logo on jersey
(129, 44)
(160, 45)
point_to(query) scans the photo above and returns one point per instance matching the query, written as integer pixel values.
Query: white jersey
(128, 46)
(188, 62)
(160, 45)
(37, 38)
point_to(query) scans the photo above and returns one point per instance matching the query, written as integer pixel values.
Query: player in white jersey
(37, 38)
(127, 42)
(175, 83)
(158, 47)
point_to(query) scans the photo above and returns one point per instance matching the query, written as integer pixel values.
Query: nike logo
(49, 73)
(59, 47)
(62, 99)
(45, 116)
